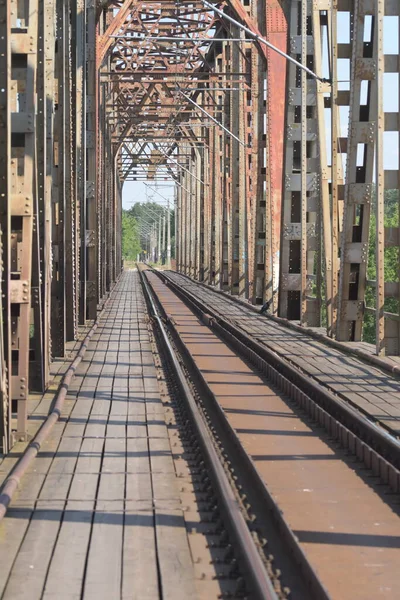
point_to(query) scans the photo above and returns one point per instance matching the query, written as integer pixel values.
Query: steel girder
(266, 171)
(47, 194)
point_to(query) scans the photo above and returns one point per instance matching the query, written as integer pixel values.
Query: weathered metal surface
(43, 160)
(325, 498)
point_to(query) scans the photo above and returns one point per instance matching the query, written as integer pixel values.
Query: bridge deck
(98, 515)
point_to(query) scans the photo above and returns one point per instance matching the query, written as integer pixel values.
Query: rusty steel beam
(5, 227)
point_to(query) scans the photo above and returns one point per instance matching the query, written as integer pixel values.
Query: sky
(138, 192)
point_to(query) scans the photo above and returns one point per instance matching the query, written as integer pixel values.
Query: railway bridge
(225, 424)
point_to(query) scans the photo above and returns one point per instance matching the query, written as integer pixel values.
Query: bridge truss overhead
(284, 192)
(283, 189)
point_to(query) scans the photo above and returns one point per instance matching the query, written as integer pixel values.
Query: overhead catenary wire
(263, 41)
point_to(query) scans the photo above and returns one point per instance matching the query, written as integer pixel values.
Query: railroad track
(287, 531)
(348, 373)
(259, 583)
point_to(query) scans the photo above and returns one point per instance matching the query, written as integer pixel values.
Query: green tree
(391, 263)
(150, 212)
(130, 236)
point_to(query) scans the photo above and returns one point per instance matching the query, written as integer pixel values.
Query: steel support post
(163, 241)
(178, 227)
(23, 198)
(58, 320)
(236, 176)
(69, 189)
(359, 172)
(299, 296)
(193, 199)
(227, 193)
(303, 168)
(198, 240)
(159, 240)
(219, 184)
(91, 228)
(81, 53)
(45, 145)
(168, 249)
(190, 223)
(212, 225)
(380, 183)
(330, 177)
(77, 43)
(260, 289)
(277, 34)
(336, 183)
(5, 226)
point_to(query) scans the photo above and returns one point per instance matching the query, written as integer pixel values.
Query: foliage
(130, 236)
(149, 213)
(391, 263)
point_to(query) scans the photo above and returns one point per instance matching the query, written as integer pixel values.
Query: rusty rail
(378, 450)
(260, 583)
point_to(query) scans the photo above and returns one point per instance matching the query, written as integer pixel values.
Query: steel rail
(244, 465)
(375, 446)
(13, 480)
(255, 569)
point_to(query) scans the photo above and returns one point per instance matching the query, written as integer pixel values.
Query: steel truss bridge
(270, 117)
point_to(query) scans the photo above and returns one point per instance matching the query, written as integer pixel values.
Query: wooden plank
(140, 580)
(137, 456)
(176, 568)
(30, 568)
(66, 572)
(12, 531)
(104, 567)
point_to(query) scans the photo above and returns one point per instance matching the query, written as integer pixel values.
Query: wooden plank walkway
(373, 391)
(98, 515)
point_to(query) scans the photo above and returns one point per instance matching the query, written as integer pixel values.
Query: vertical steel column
(190, 224)
(169, 233)
(380, 182)
(277, 34)
(70, 199)
(359, 172)
(208, 165)
(303, 169)
(45, 143)
(76, 134)
(81, 40)
(24, 197)
(193, 201)
(5, 221)
(163, 241)
(58, 315)
(159, 245)
(198, 241)
(91, 137)
(178, 225)
(299, 296)
(236, 173)
(261, 289)
(336, 181)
